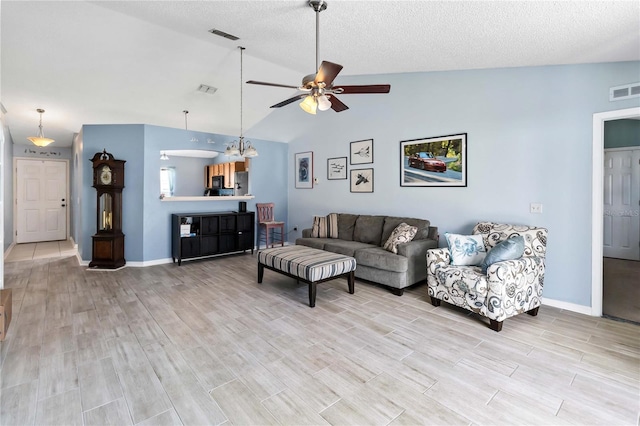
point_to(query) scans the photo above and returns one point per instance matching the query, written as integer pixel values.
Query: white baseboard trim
(8, 250)
(149, 263)
(581, 309)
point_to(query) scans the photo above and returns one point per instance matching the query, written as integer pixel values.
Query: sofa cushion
(391, 222)
(346, 225)
(318, 243)
(369, 229)
(347, 248)
(402, 234)
(377, 257)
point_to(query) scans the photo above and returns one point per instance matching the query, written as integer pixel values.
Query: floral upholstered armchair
(508, 287)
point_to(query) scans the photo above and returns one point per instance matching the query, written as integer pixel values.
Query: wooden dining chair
(267, 223)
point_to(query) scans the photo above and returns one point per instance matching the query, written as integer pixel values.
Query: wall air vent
(627, 91)
(223, 34)
(210, 90)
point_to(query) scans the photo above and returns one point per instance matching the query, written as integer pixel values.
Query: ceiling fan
(319, 91)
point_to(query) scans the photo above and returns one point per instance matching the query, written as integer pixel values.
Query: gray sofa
(362, 237)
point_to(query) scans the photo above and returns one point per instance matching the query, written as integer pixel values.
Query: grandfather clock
(108, 242)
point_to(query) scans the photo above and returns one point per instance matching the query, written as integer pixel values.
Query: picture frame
(361, 152)
(304, 170)
(361, 180)
(337, 168)
(434, 161)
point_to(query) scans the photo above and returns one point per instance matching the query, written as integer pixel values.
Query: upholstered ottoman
(308, 265)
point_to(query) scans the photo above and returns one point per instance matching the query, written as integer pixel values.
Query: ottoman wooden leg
(350, 281)
(312, 294)
(260, 272)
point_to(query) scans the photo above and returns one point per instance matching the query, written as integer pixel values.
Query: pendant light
(40, 140)
(193, 138)
(240, 148)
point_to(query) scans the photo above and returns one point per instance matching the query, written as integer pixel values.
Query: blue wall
(529, 140)
(146, 218)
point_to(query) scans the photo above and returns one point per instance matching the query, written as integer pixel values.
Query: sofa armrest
(416, 248)
(433, 233)
(306, 233)
(514, 286)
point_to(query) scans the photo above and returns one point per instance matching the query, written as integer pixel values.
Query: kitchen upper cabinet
(227, 170)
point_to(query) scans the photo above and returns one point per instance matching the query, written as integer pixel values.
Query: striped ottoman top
(305, 262)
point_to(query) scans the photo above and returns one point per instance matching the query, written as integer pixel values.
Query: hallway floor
(44, 250)
(621, 289)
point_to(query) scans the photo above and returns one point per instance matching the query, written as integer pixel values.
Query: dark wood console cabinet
(211, 234)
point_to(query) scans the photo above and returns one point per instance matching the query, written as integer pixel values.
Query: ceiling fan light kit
(40, 140)
(319, 91)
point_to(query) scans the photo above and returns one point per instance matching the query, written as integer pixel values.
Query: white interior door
(622, 204)
(41, 199)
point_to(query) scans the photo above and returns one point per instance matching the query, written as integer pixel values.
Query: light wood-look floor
(205, 344)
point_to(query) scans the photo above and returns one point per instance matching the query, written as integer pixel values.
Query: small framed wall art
(436, 161)
(361, 180)
(304, 170)
(361, 152)
(337, 168)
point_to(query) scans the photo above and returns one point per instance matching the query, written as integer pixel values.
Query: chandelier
(240, 147)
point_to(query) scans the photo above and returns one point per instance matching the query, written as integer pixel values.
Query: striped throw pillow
(325, 226)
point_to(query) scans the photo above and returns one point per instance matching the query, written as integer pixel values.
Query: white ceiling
(112, 62)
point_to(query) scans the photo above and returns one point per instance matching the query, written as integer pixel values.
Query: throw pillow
(319, 229)
(325, 226)
(402, 234)
(509, 249)
(332, 225)
(465, 250)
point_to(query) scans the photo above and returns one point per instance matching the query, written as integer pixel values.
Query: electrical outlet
(535, 208)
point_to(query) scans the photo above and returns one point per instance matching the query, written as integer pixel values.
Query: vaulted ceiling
(113, 62)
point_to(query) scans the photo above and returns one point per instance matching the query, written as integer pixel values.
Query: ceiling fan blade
(371, 88)
(288, 101)
(327, 73)
(337, 105)
(262, 83)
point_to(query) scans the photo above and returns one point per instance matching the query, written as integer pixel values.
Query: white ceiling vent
(210, 90)
(627, 91)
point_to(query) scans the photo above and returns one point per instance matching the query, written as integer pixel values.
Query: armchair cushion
(509, 249)
(465, 249)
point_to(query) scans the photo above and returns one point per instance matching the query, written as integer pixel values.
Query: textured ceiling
(141, 61)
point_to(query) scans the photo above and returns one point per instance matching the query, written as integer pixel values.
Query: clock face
(105, 175)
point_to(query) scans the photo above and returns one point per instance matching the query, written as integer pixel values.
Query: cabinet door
(209, 225)
(228, 243)
(245, 222)
(209, 245)
(228, 224)
(241, 166)
(190, 247)
(227, 175)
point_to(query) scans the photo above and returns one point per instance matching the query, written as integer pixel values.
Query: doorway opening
(597, 210)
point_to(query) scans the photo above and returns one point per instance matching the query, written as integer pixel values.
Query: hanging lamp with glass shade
(240, 147)
(40, 140)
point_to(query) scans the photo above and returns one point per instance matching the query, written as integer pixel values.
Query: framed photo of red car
(434, 161)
